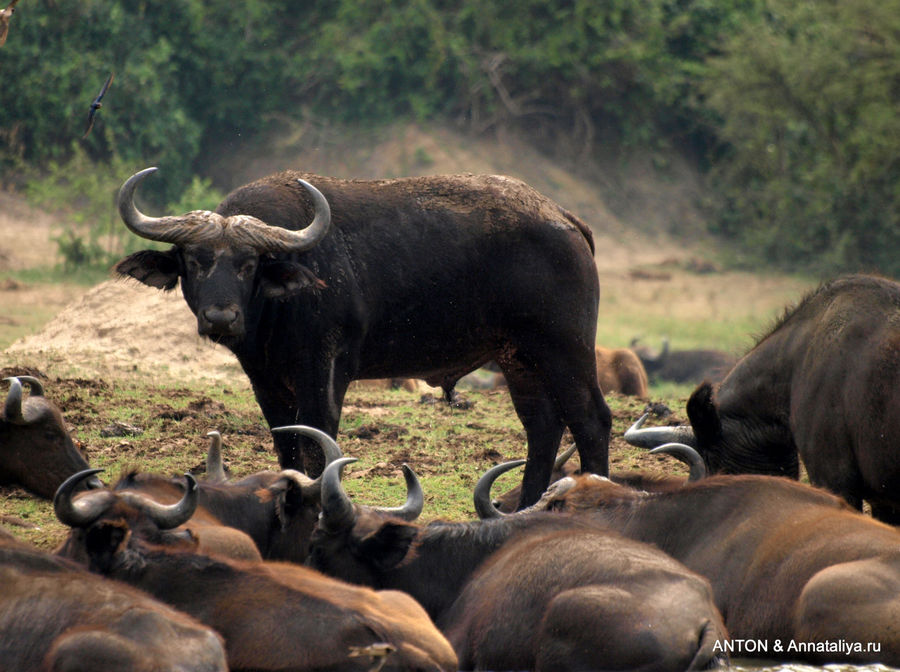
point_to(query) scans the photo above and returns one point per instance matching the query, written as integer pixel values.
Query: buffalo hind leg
(570, 377)
(543, 429)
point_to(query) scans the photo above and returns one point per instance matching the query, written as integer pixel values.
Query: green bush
(807, 99)
(790, 107)
(83, 192)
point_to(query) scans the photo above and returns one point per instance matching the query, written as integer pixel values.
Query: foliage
(790, 106)
(84, 192)
(807, 98)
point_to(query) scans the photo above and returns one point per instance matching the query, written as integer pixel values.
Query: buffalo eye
(247, 268)
(198, 262)
(193, 265)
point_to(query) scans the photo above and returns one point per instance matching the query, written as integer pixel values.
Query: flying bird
(5, 16)
(96, 105)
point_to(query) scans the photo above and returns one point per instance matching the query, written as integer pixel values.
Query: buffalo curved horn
(337, 509)
(13, 409)
(215, 469)
(198, 226)
(415, 499)
(651, 437)
(264, 239)
(194, 227)
(329, 447)
(484, 506)
(167, 516)
(687, 455)
(564, 457)
(85, 510)
(35, 387)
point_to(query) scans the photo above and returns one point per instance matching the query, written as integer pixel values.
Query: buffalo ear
(103, 542)
(704, 415)
(153, 268)
(284, 279)
(388, 545)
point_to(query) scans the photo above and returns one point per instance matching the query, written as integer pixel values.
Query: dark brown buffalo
(584, 600)
(278, 510)
(562, 583)
(787, 562)
(36, 450)
(684, 366)
(425, 277)
(271, 615)
(57, 617)
(824, 383)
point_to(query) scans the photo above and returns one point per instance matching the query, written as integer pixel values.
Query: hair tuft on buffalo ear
(152, 268)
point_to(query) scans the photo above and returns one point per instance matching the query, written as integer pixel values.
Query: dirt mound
(121, 327)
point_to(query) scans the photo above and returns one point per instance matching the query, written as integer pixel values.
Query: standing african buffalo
(825, 382)
(36, 450)
(789, 563)
(426, 277)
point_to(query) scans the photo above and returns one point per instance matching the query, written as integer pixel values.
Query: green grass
(448, 448)
(84, 276)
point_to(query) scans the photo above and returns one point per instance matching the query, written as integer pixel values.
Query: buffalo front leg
(569, 374)
(316, 405)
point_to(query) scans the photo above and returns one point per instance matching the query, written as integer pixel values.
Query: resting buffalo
(271, 615)
(825, 382)
(278, 510)
(36, 450)
(787, 562)
(531, 591)
(582, 599)
(506, 503)
(114, 512)
(426, 277)
(684, 366)
(620, 370)
(56, 616)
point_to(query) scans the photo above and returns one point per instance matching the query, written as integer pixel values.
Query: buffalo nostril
(222, 317)
(218, 320)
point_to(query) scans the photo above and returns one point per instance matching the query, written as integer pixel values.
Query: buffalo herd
(315, 282)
